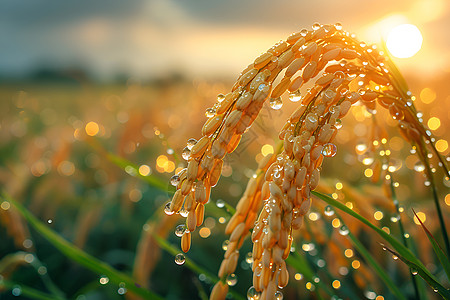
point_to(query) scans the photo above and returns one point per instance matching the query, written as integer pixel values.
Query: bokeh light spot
(434, 123)
(441, 145)
(421, 216)
(266, 149)
(92, 128)
(427, 95)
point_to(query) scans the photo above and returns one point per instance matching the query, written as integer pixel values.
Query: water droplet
(338, 26)
(276, 103)
(258, 269)
(395, 219)
(363, 44)
(210, 112)
(220, 203)
(329, 150)
(303, 32)
(231, 279)
(394, 165)
(180, 229)
(338, 124)
(191, 143)
(186, 154)
(329, 211)
(279, 295)
(316, 26)
(16, 291)
(183, 212)
(395, 257)
(343, 230)
(419, 166)
(446, 181)
(175, 180)
(180, 259)
(261, 86)
(414, 272)
(328, 95)
(361, 148)
(370, 295)
(253, 294)
(220, 97)
(367, 159)
(321, 263)
(167, 209)
(295, 96)
(225, 245)
(249, 258)
(104, 280)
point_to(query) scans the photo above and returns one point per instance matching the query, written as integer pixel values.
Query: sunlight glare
(404, 41)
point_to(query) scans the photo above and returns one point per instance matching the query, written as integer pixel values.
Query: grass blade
(405, 252)
(436, 286)
(133, 169)
(81, 257)
(437, 249)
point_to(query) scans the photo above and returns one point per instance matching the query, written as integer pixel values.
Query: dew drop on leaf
(180, 259)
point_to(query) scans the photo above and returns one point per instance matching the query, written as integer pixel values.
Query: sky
(155, 38)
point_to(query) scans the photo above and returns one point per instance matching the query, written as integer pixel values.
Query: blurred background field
(80, 82)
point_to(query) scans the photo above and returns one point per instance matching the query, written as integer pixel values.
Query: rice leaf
(27, 291)
(405, 252)
(133, 170)
(375, 266)
(436, 247)
(433, 283)
(81, 257)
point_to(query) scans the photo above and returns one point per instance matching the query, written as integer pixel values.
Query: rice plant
(291, 235)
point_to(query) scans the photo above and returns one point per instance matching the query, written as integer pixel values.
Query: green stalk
(441, 218)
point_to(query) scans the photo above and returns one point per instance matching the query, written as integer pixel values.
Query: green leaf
(81, 257)
(436, 286)
(405, 252)
(131, 167)
(437, 249)
(27, 291)
(375, 266)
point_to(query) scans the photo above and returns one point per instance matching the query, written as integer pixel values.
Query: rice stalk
(341, 71)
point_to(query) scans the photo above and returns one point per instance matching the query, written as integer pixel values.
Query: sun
(404, 41)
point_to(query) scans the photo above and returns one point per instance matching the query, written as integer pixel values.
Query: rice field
(87, 172)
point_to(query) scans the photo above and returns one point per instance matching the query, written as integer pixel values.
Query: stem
(441, 218)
